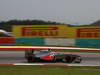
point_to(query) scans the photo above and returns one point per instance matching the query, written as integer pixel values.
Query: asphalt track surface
(10, 57)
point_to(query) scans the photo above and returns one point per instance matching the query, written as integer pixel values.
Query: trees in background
(7, 25)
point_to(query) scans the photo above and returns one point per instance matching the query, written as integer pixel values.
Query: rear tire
(54, 59)
(67, 59)
(29, 59)
(78, 60)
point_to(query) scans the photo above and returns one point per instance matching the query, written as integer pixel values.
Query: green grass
(47, 70)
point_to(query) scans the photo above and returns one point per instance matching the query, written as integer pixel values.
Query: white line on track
(46, 64)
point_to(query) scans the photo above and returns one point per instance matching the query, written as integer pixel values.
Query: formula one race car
(47, 55)
(3, 33)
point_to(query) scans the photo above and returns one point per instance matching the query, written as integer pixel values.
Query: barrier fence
(2, 48)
